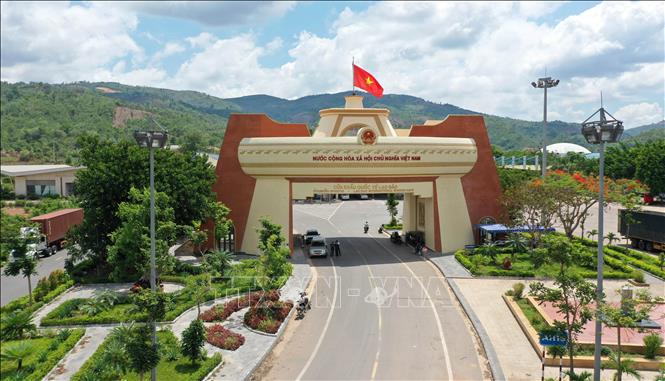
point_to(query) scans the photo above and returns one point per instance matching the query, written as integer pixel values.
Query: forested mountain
(647, 127)
(40, 122)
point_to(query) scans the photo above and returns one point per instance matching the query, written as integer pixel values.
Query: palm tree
(16, 324)
(584, 376)
(611, 237)
(592, 233)
(517, 244)
(16, 352)
(623, 366)
(219, 260)
(123, 332)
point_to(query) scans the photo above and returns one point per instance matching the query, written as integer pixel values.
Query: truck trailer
(52, 230)
(645, 229)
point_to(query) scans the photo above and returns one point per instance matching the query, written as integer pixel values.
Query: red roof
(57, 213)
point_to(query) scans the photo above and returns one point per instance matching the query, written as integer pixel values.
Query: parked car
(311, 233)
(364, 197)
(318, 247)
(344, 197)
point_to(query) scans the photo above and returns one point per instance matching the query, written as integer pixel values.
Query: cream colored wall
(408, 216)
(304, 190)
(428, 228)
(454, 220)
(271, 199)
(61, 178)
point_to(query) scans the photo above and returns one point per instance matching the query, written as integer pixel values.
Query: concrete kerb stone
(40, 309)
(495, 366)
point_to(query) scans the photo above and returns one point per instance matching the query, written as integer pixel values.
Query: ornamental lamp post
(152, 140)
(545, 83)
(600, 132)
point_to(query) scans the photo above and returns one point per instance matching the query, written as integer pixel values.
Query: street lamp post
(152, 140)
(600, 132)
(545, 83)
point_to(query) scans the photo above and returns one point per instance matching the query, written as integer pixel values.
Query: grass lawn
(181, 369)
(45, 353)
(68, 313)
(535, 318)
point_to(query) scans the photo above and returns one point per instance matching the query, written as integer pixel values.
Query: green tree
(15, 325)
(143, 356)
(200, 285)
(267, 231)
(113, 169)
(650, 165)
(625, 366)
(153, 303)
(129, 252)
(592, 234)
(24, 263)
(611, 237)
(16, 352)
(517, 244)
(531, 205)
(192, 142)
(620, 161)
(193, 339)
(198, 236)
(627, 315)
(274, 266)
(571, 296)
(391, 206)
(219, 261)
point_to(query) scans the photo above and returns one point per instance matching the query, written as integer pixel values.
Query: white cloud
(639, 114)
(478, 55)
(216, 13)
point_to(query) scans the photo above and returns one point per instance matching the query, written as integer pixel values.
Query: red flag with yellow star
(366, 81)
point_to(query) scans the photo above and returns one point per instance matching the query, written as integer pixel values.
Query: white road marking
(335, 211)
(325, 327)
(431, 303)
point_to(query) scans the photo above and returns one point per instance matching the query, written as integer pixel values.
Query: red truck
(53, 228)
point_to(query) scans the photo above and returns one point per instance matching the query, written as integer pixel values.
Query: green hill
(40, 122)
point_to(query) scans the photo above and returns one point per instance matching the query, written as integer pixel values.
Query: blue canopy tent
(494, 232)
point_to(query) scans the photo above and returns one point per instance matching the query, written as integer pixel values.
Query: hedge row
(22, 303)
(635, 261)
(56, 355)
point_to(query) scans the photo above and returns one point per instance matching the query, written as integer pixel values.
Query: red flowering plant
(575, 194)
(224, 338)
(221, 312)
(268, 316)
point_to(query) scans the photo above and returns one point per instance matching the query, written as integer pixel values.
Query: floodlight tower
(545, 83)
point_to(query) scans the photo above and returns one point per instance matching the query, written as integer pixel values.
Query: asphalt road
(379, 312)
(13, 287)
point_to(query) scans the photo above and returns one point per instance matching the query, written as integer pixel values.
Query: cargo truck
(51, 231)
(645, 229)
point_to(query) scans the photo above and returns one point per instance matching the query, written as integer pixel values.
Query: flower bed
(222, 312)
(269, 316)
(224, 338)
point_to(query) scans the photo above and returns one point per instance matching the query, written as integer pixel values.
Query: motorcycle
(396, 238)
(381, 229)
(303, 305)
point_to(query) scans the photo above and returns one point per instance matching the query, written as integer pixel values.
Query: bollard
(542, 377)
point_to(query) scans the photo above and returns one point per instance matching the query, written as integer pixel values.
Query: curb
(495, 366)
(49, 374)
(277, 336)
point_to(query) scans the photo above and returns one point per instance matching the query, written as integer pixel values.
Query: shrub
(17, 325)
(222, 312)
(652, 344)
(518, 291)
(224, 338)
(539, 257)
(268, 317)
(637, 276)
(192, 340)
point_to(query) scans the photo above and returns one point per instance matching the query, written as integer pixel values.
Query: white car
(318, 247)
(311, 233)
(344, 197)
(364, 197)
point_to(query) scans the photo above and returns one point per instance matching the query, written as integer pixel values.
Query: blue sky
(479, 55)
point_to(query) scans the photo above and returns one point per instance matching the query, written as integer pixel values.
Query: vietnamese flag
(366, 81)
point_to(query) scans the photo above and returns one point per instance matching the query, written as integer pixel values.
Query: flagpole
(353, 82)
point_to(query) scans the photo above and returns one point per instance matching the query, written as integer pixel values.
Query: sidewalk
(241, 363)
(74, 360)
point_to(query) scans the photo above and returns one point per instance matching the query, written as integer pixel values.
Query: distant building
(563, 148)
(41, 180)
